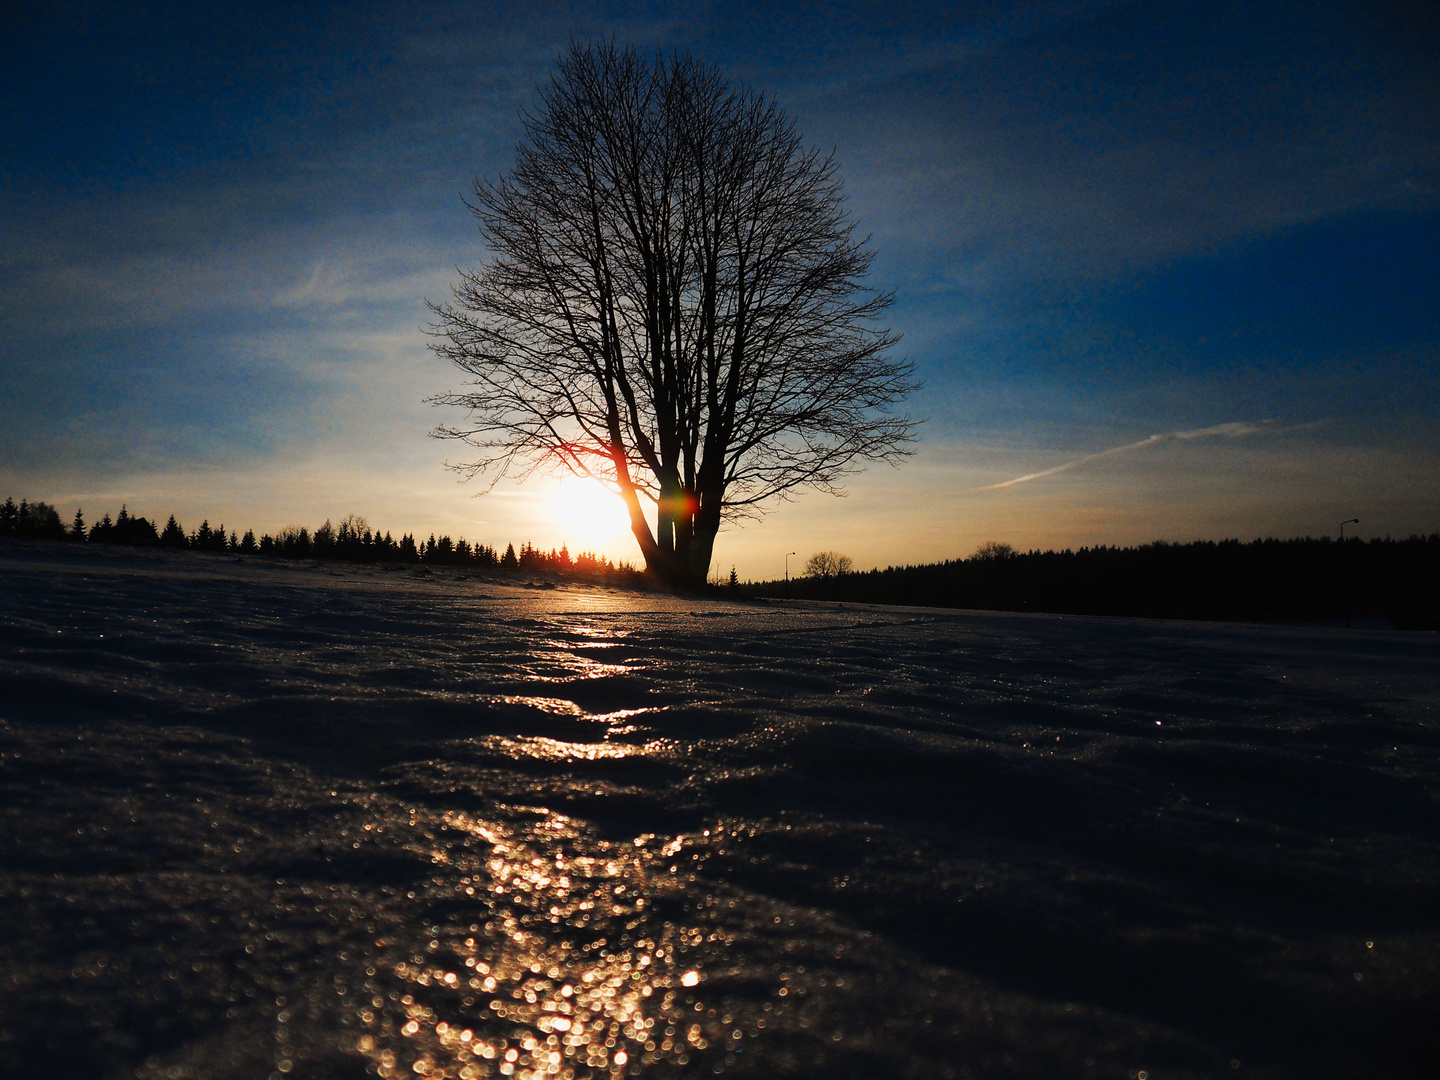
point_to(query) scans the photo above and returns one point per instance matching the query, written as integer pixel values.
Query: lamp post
(1344, 577)
(787, 573)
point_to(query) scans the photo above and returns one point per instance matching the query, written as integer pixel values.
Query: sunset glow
(1091, 220)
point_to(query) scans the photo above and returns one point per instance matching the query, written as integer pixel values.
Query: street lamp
(1344, 577)
(787, 572)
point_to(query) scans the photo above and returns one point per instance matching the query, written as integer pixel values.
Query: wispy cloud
(1233, 430)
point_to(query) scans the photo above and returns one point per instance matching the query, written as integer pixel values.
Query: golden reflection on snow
(566, 707)
(575, 668)
(592, 638)
(555, 706)
(559, 662)
(561, 750)
(563, 972)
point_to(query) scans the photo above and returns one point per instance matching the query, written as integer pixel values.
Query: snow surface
(289, 820)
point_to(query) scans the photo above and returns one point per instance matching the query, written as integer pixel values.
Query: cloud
(1234, 430)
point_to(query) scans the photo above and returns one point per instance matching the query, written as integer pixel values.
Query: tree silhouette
(993, 551)
(31, 521)
(173, 535)
(294, 542)
(675, 306)
(828, 564)
(132, 530)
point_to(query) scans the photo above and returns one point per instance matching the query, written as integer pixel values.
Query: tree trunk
(691, 523)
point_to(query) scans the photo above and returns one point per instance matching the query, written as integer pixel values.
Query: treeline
(1300, 579)
(351, 541)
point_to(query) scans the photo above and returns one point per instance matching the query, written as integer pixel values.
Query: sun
(590, 515)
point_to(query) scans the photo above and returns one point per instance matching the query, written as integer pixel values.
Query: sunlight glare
(589, 514)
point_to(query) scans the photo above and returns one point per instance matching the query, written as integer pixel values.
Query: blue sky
(1102, 221)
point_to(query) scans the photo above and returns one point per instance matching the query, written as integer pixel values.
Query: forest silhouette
(352, 540)
(1301, 579)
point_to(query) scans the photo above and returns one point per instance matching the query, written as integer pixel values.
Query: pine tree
(529, 557)
(77, 527)
(325, 541)
(173, 536)
(38, 521)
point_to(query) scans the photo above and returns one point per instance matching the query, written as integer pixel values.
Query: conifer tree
(173, 536)
(77, 527)
(529, 557)
(325, 541)
(294, 542)
(38, 521)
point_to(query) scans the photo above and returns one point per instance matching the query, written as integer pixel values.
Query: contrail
(1231, 431)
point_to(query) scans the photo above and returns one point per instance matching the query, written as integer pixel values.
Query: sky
(1165, 270)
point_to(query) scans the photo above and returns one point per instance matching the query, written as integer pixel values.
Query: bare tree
(674, 305)
(828, 564)
(993, 551)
